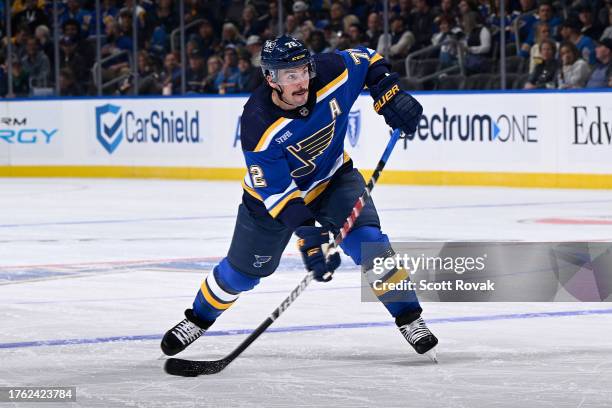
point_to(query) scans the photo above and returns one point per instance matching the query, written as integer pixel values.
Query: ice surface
(92, 272)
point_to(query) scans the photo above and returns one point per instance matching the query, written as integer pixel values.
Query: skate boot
(420, 338)
(183, 334)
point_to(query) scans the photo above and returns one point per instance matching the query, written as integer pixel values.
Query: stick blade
(191, 368)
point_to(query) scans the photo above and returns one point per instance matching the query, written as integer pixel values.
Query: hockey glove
(310, 244)
(400, 110)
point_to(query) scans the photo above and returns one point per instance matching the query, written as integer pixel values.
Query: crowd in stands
(549, 44)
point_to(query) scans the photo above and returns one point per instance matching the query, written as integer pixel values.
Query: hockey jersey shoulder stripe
(270, 132)
(332, 86)
(376, 57)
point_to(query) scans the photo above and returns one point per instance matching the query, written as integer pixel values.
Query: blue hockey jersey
(292, 155)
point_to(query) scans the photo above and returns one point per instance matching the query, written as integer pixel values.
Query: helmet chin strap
(280, 96)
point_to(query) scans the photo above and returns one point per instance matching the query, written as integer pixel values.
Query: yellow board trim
(210, 299)
(279, 207)
(397, 277)
(424, 178)
(333, 83)
(269, 130)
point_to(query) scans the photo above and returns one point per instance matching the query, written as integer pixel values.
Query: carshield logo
(108, 126)
(354, 126)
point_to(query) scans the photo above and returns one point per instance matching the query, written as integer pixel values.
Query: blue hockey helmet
(283, 53)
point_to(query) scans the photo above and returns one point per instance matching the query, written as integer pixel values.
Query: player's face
(295, 84)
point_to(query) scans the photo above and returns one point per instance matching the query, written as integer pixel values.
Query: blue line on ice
(332, 326)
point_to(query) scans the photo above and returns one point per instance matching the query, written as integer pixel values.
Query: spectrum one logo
(112, 126)
(477, 128)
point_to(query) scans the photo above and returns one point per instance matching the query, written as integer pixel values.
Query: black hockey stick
(193, 368)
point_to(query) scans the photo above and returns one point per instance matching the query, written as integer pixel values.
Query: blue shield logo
(108, 126)
(353, 127)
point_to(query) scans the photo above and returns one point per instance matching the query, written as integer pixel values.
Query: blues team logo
(310, 148)
(353, 127)
(260, 260)
(109, 131)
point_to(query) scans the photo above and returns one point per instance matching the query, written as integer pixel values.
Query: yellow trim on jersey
(375, 57)
(315, 192)
(397, 277)
(210, 299)
(267, 133)
(333, 83)
(251, 191)
(279, 207)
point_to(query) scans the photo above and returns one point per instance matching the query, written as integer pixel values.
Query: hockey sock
(219, 291)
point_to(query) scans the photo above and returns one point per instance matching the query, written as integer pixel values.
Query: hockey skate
(183, 334)
(420, 338)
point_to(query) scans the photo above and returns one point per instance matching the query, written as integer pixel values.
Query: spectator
(72, 29)
(164, 16)
(227, 79)
(21, 82)
(545, 15)
(70, 58)
(526, 18)
(231, 36)
(31, 16)
(466, 6)
(19, 41)
(253, 46)
(68, 85)
(535, 57)
(206, 40)
(20, 5)
(448, 50)
(401, 40)
(356, 36)
(213, 66)
(601, 77)
(374, 30)
(36, 63)
(171, 75)
(421, 24)
(249, 24)
(447, 8)
(608, 31)
(249, 77)
(545, 73)
(300, 12)
(336, 17)
(317, 43)
(73, 11)
(45, 43)
(570, 31)
(291, 27)
(574, 71)
(269, 21)
(195, 73)
(590, 28)
(494, 21)
(149, 80)
(477, 42)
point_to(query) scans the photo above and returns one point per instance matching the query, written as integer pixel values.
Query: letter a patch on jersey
(310, 148)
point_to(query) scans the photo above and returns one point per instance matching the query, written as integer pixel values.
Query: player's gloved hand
(310, 244)
(400, 110)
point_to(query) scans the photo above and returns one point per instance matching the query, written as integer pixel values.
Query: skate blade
(433, 355)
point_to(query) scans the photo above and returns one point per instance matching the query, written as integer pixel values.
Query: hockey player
(292, 134)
